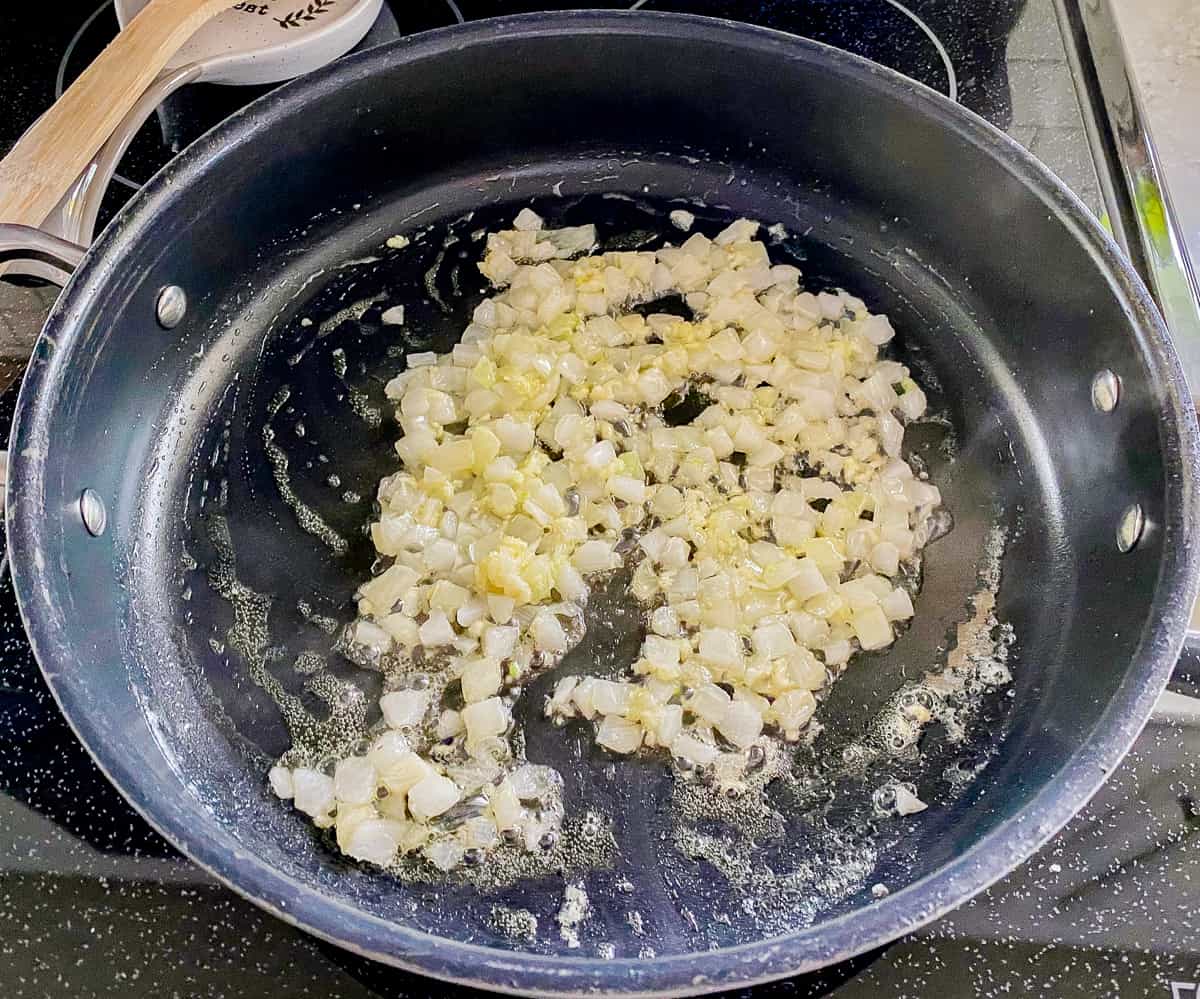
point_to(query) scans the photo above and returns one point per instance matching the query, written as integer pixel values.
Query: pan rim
(840, 938)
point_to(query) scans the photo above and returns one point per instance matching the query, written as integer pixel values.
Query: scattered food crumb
(681, 218)
(574, 911)
(908, 803)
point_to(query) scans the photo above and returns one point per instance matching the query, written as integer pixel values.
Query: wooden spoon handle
(49, 157)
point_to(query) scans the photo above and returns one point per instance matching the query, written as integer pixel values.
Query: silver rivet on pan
(1129, 531)
(91, 509)
(170, 307)
(1106, 391)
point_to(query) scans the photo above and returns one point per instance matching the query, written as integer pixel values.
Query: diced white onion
(688, 747)
(709, 702)
(480, 679)
(548, 633)
(404, 708)
(485, 719)
(741, 724)
(499, 641)
(374, 841)
(312, 792)
(281, 781)
(355, 780)
(594, 556)
(619, 735)
(721, 646)
(431, 797)
(774, 641)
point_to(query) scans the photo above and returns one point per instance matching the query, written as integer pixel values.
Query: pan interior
(1000, 309)
(330, 354)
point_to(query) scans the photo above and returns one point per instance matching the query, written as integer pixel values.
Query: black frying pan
(1009, 301)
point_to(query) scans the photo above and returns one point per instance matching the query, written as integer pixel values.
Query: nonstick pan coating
(1007, 298)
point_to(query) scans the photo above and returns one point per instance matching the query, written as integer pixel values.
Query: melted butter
(309, 520)
(314, 739)
(724, 817)
(360, 404)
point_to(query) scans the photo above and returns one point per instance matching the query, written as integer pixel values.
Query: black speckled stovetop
(94, 903)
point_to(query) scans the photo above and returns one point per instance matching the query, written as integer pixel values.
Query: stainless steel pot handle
(74, 217)
(59, 256)
(57, 259)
